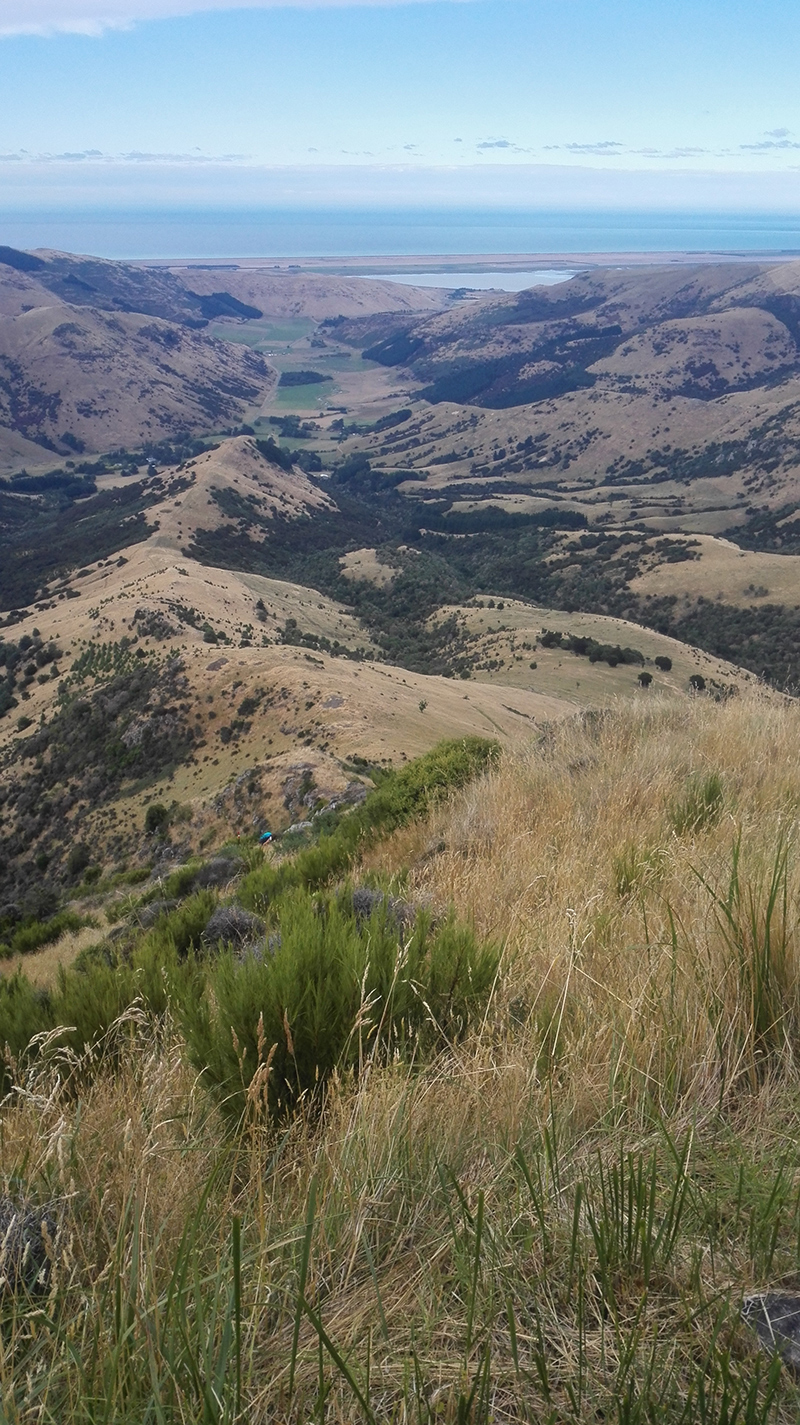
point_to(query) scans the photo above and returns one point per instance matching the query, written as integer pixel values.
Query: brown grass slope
(295, 294)
(111, 380)
(234, 467)
(610, 373)
(556, 1219)
(114, 355)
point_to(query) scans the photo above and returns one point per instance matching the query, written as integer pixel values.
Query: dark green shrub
(91, 995)
(664, 663)
(182, 930)
(160, 972)
(645, 679)
(332, 986)
(697, 683)
(37, 933)
(88, 1001)
(133, 877)
(24, 1012)
(78, 859)
(156, 819)
(181, 880)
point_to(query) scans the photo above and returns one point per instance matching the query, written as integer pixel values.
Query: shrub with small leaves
(333, 990)
(156, 819)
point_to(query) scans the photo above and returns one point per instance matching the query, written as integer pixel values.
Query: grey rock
(297, 826)
(149, 914)
(165, 863)
(775, 1318)
(353, 795)
(366, 901)
(28, 1236)
(231, 925)
(219, 871)
(261, 949)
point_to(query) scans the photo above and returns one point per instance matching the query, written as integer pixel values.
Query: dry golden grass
(569, 851)
(445, 1238)
(42, 966)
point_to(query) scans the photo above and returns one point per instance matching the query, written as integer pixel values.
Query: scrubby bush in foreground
(334, 992)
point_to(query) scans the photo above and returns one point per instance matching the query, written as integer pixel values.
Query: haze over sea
(338, 232)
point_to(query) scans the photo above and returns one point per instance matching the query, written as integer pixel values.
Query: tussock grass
(553, 1219)
(41, 967)
(641, 865)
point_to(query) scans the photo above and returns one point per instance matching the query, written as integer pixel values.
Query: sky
(623, 102)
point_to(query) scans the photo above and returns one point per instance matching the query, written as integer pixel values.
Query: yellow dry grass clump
(604, 856)
(556, 1220)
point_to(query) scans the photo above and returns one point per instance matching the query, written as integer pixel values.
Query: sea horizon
(283, 234)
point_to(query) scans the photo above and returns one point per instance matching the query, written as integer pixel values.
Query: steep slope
(226, 487)
(670, 396)
(89, 380)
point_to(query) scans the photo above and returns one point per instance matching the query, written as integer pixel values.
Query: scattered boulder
(298, 826)
(299, 787)
(28, 1236)
(167, 861)
(231, 925)
(775, 1318)
(219, 871)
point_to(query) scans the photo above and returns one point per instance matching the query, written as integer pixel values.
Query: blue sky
(139, 97)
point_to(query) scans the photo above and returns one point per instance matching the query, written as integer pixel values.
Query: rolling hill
(98, 356)
(335, 581)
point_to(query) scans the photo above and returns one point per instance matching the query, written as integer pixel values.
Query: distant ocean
(286, 234)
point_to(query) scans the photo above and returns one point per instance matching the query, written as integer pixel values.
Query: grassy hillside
(625, 443)
(555, 1148)
(98, 355)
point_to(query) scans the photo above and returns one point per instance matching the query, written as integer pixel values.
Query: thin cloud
(95, 158)
(603, 146)
(499, 143)
(93, 17)
(669, 152)
(767, 144)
